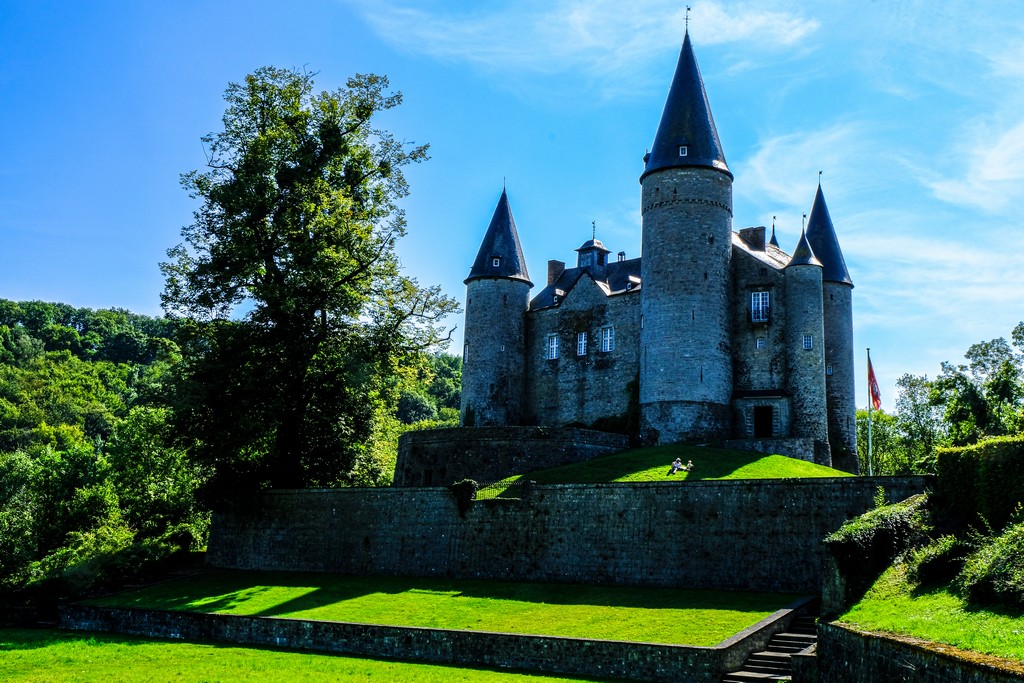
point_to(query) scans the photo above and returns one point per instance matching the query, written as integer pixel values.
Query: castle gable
(620, 277)
(771, 255)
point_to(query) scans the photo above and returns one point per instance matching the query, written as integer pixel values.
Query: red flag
(875, 394)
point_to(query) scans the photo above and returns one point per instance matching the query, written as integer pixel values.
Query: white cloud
(610, 43)
(783, 169)
(994, 170)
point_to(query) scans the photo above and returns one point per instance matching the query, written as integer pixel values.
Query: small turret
(805, 338)
(497, 295)
(593, 257)
(837, 293)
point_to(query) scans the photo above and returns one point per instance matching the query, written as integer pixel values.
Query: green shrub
(939, 561)
(866, 545)
(983, 483)
(465, 493)
(994, 574)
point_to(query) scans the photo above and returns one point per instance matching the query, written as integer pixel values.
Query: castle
(710, 335)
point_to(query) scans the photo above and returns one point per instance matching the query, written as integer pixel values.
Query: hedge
(983, 482)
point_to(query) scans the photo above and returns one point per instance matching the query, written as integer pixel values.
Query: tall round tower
(838, 310)
(497, 296)
(686, 205)
(805, 337)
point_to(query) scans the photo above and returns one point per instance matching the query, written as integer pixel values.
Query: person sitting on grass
(677, 465)
(689, 466)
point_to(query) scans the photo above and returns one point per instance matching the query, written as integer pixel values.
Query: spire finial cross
(593, 230)
(819, 177)
(687, 18)
(803, 223)
(773, 225)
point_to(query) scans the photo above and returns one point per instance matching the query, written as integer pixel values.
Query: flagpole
(870, 401)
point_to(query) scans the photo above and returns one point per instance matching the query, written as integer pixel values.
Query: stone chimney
(754, 237)
(555, 269)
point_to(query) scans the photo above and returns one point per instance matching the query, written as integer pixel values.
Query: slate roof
(803, 255)
(822, 237)
(686, 120)
(771, 256)
(501, 241)
(619, 277)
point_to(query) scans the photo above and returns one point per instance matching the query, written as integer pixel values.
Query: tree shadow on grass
(337, 590)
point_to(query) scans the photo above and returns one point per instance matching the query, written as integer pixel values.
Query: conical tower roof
(803, 255)
(822, 237)
(500, 253)
(687, 135)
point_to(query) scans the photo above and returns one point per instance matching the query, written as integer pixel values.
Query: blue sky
(913, 110)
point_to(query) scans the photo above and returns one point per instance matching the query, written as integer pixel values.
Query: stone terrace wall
(442, 456)
(849, 656)
(755, 534)
(576, 656)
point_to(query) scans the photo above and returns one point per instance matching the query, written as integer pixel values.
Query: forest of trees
(96, 481)
(980, 398)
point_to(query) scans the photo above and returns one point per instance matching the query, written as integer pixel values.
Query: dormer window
(683, 151)
(496, 261)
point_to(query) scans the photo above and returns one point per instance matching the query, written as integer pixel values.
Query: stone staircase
(773, 664)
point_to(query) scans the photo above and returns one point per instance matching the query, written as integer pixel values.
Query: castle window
(828, 370)
(496, 261)
(607, 339)
(683, 150)
(808, 342)
(600, 259)
(584, 260)
(759, 307)
(465, 352)
(551, 350)
(581, 344)
(759, 343)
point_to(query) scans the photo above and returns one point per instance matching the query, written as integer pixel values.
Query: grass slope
(39, 656)
(651, 464)
(896, 605)
(689, 617)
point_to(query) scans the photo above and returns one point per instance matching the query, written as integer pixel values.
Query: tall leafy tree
(299, 317)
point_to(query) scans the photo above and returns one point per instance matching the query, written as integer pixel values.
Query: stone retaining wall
(751, 534)
(439, 457)
(846, 655)
(572, 656)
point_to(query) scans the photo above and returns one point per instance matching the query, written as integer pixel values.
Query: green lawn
(653, 615)
(894, 605)
(652, 464)
(48, 655)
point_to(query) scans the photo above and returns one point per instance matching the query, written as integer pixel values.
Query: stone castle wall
(439, 457)
(765, 368)
(581, 389)
(755, 535)
(686, 374)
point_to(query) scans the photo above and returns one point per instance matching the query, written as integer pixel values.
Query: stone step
(770, 661)
(768, 655)
(752, 677)
(773, 669)
(792, 639)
